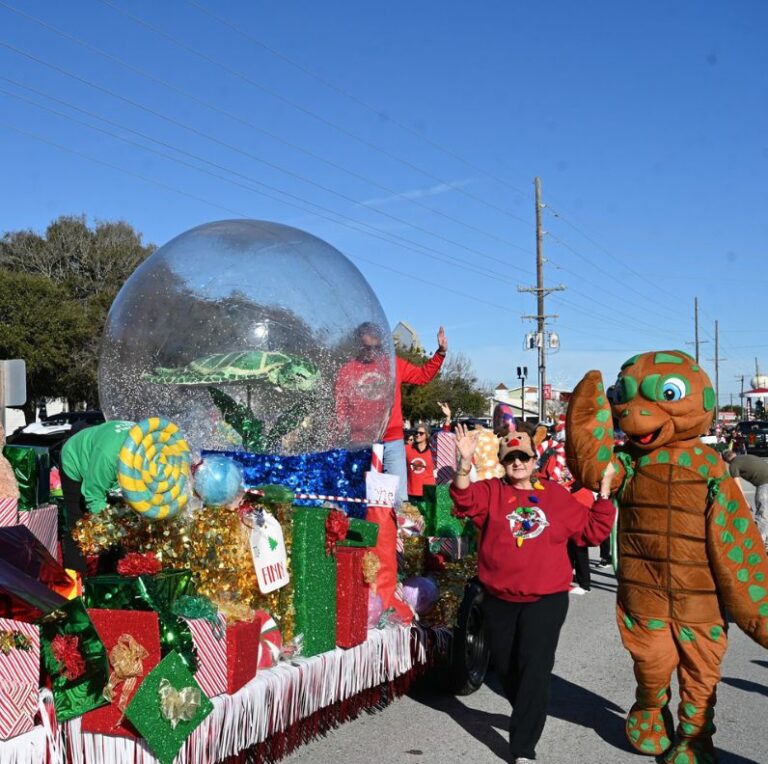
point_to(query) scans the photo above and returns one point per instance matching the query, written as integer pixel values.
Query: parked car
(53, 431)
(755, 436)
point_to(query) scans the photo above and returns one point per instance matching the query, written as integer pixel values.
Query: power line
(352, 97)
(256, 127)
(236, 149)
(355, 225)
(293, 104)
(238, 213)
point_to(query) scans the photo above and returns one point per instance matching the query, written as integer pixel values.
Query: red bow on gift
(336, 527)
(136, 564)
(65, 648)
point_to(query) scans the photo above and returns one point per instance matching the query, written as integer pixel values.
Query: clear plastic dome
(250, 335)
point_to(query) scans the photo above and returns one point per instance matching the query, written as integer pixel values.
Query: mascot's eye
(673, 389)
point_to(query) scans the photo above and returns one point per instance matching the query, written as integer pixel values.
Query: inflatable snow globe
(251, 336)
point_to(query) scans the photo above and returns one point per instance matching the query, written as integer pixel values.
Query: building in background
(405, 337)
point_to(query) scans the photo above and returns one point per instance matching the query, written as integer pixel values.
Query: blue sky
(408, 136)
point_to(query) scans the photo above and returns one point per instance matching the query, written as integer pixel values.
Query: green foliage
(456, 385)
(42, 325)
(85, 267)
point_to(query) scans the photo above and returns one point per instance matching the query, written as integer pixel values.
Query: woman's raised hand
(466, 442)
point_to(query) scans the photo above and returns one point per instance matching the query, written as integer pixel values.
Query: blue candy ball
(219, 481)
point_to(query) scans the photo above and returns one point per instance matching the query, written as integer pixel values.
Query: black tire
(469, 656)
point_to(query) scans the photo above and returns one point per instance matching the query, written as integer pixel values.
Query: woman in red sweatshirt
(523, 564)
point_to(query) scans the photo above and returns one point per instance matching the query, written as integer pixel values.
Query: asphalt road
(592, 689)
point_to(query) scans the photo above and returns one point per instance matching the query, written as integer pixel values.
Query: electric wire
(354, 98)
(330, 123)
(258, 128)
(236, 149)
(238, 213)
(350, 223)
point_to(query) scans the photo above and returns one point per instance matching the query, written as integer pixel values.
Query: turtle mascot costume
(688, 548)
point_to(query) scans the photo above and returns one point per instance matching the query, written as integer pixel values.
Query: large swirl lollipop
(153, 468)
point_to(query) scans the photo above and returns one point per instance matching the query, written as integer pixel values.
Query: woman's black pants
(523, 639)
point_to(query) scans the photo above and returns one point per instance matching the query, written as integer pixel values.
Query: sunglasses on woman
(420, 432)
(518, 456)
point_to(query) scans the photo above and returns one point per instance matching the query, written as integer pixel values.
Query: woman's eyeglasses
(420, 432)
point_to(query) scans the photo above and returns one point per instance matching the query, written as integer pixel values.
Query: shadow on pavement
(764, 664)
(745, 684)
(481, 725)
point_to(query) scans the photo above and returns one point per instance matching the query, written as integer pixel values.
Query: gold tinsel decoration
(451, 580)
(414, 556)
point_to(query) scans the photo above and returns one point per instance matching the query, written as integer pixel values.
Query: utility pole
(541, 292)
(717, 371)
(696, 325)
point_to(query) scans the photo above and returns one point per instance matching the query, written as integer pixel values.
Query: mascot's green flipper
(688, 545)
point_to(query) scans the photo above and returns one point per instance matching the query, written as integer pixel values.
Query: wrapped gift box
(351, 597)
(438, 513)
(19, 676)
(453, 548)
(361, 533)
(314, 581)
(23, 597)
(136, 635)
(20, 547)
(210, 640)
(147, 592)
(31, 466)
(242, 653)
(74, 695)
(445, 456)
(168, 707)
(44, 523)
(9, 512)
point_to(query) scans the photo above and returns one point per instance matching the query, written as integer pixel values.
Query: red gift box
(351, 597)
(210, 642)
(9, 512)
(19, 676)
(111, 626)
(242, 653)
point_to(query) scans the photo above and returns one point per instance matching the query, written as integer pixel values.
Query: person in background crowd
(523, 565)
(421, 465)
(88, 473)
(754, 470)
(407, 373)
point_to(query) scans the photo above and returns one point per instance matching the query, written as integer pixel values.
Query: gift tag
(380, 489)
(269, 557)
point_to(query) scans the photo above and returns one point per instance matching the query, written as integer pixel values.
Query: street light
(522, 373)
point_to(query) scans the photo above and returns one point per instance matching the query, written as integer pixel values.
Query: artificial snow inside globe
(250, 336)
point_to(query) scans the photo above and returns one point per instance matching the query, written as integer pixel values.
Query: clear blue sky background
(408, 135)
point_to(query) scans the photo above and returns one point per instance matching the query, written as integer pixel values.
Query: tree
(90, 266)
(42, 325)
(456, 384)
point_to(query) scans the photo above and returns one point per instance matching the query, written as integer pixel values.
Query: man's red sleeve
(420, 375)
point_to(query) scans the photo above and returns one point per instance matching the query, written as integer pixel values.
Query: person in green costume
(88, 474)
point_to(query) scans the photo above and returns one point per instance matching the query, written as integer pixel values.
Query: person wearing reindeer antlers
(525, 524)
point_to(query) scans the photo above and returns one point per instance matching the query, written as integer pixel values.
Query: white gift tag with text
(269, 557)
(381, 489)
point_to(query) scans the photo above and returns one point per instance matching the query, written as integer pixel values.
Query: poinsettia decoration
(138, 564)
(66, 650)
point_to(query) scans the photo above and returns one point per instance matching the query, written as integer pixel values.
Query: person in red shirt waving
(523, 564)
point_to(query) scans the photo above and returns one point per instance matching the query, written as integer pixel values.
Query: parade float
(262, 588)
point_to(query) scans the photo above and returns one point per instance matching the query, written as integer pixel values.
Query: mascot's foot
(649, 730)
(692, 752)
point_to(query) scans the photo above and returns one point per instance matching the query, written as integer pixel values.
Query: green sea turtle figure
(281, 370)
(251, 429)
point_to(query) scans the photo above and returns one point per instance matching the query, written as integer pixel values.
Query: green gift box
(157, 592)
(32, 469)
(72, 697)
(438, 513)
(314, 581)
(361, 533)
(168, 707)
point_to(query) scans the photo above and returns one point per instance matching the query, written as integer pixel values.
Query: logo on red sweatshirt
(527, 522)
